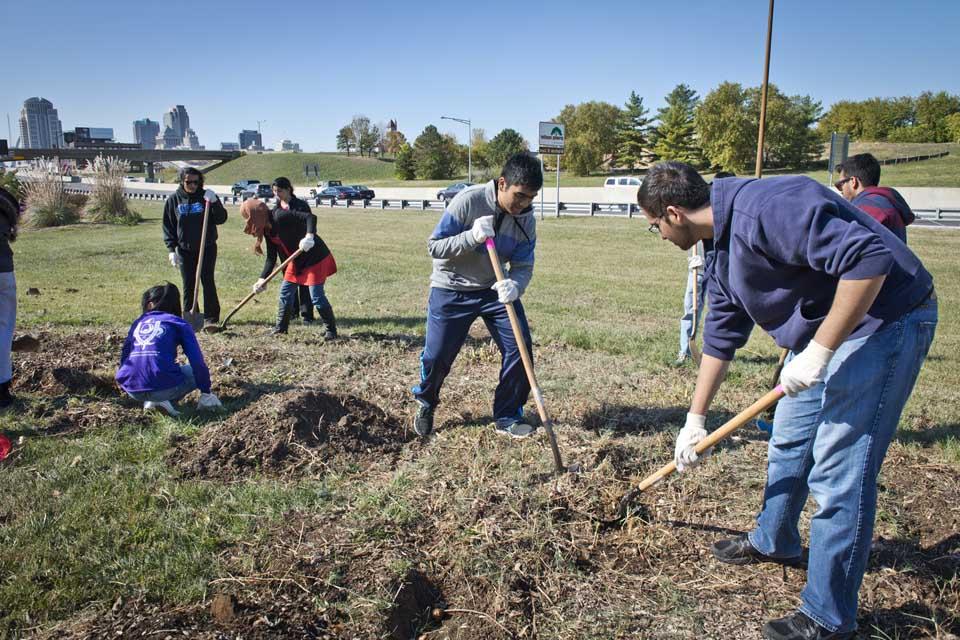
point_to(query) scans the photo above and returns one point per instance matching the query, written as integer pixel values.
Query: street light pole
(469, 144)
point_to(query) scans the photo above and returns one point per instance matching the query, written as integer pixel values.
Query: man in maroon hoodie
(859, 177)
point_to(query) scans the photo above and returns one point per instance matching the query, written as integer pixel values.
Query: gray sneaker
(517, 430)
(423, 421)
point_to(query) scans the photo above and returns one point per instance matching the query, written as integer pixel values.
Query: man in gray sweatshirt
(463, 287)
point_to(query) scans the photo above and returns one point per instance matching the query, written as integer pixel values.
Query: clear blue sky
(308, 67)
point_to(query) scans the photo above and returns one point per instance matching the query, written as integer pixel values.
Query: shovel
(694, 351)
(283, 265)
(528, 366)
(193, 316)
(742, 418)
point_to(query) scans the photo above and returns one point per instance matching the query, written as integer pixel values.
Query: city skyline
(439, 60)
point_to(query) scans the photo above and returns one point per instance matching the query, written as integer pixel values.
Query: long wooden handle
(527, 362)
(250, 296)
(711, 440)
(203, 246)
(696, 297)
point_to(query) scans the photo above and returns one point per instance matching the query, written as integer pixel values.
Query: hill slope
(333, 166)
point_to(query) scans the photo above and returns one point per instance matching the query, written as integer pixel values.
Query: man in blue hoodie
(859, 177)
(857, 310)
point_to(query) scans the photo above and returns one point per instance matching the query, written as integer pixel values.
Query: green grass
(938, 172)
(87, 517)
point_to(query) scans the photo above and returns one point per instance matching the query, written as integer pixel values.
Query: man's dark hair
(523, 169)
(862, 166)
(672, 184)
(165, 297)
(191, 171)
(724, 174)
(283, 183)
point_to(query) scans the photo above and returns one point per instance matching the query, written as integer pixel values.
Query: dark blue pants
(449, 316)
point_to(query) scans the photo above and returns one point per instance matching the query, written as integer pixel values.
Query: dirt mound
(72, 364)
(293, 433)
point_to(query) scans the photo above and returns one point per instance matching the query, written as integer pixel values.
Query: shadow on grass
(623, 420)
(940, 434)
(939, 560)
(912, 620)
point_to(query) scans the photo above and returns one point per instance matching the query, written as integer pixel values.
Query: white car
(622, 181)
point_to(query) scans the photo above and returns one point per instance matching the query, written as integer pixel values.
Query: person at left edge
(182, 229)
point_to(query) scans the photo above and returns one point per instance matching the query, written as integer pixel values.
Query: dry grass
(48, 204)
(107, 203)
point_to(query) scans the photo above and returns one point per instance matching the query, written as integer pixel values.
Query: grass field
(263, 523)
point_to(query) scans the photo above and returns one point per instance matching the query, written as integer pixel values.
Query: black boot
(329, 322)
(283, 320)
(6, 399)
(306, 313)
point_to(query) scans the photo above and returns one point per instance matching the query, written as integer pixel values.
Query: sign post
(839, 148)
(552, 139)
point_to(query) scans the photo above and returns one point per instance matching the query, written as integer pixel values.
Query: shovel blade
(195, 318)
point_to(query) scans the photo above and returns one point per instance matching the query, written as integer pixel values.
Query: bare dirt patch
(297, 432)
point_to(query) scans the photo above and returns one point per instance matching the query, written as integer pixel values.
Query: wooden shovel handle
(527, 362)
(203, 246)
(250, 296)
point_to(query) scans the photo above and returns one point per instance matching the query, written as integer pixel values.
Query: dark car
(447, 194)
(337, 193)
(366, 193)
(257, 190)
(241, 185)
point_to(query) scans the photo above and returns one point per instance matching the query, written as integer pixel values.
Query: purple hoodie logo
(147, 332)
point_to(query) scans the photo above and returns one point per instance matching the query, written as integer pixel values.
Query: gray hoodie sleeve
(452, 236)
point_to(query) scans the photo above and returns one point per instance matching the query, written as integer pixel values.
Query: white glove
(693, 432)
(210, 196)
(259, 285)
(208, 401)
(483, 229)
(694, 262)
(175, 259)
(507, 290)
(805, 369)
(306, 243)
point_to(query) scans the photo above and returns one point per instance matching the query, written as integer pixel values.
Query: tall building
(287, 145)
(178, 120)
(250, 139)
(190, 140)
(168, 139)
(145, 133)
(40, 126)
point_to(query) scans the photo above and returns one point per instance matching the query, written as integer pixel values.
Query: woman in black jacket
(182, 229)
(292, 225)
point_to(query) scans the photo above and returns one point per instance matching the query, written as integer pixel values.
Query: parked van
(622, 181)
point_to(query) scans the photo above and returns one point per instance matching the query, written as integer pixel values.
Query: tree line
(716, 132)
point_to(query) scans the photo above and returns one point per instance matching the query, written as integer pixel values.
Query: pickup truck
(329, 183)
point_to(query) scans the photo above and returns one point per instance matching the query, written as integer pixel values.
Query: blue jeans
(288, 295)
(829, 441)
(449, 316)
(8, 320)
(687, 321)
(173, 394)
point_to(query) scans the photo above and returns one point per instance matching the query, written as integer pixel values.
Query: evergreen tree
(675, 136)
(434, 155)
(405, 167)
(502, 146)
(634, 133)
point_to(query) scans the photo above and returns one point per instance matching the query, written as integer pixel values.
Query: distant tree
(502, 146)
(405, 167)
(790, 139)
(633, 133)
(435, 155)
(953, 127)
(392, 142)
(933, 109)
(591, 135)
(369, 140)
(675, 137)
(345, 139)
(360, 125)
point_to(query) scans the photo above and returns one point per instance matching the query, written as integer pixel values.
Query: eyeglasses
(839, 183)
(191, 182)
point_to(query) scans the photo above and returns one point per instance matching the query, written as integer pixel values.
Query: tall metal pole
(763, 94)
(558, 185)
(469, 152)
(541, 190)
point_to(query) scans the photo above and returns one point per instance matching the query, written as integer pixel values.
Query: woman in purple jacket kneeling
(149, 371)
